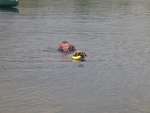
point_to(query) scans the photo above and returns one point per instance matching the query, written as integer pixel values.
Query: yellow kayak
(77, 58)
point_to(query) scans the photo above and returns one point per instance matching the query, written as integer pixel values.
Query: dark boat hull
(8, 3)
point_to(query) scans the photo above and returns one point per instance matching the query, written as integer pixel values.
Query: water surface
(35, 78)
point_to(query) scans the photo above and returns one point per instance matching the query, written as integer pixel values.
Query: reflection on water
(35, 78)
(6, 9)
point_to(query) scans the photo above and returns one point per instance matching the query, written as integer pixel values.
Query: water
(35, 78)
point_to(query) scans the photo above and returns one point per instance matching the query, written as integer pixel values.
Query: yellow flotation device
(76, 57)
(79, 56)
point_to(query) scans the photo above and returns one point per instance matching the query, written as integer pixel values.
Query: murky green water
(35, 78)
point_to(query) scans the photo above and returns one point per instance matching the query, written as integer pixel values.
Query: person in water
(66, 47)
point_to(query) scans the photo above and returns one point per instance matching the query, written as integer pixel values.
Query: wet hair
(65, 41)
